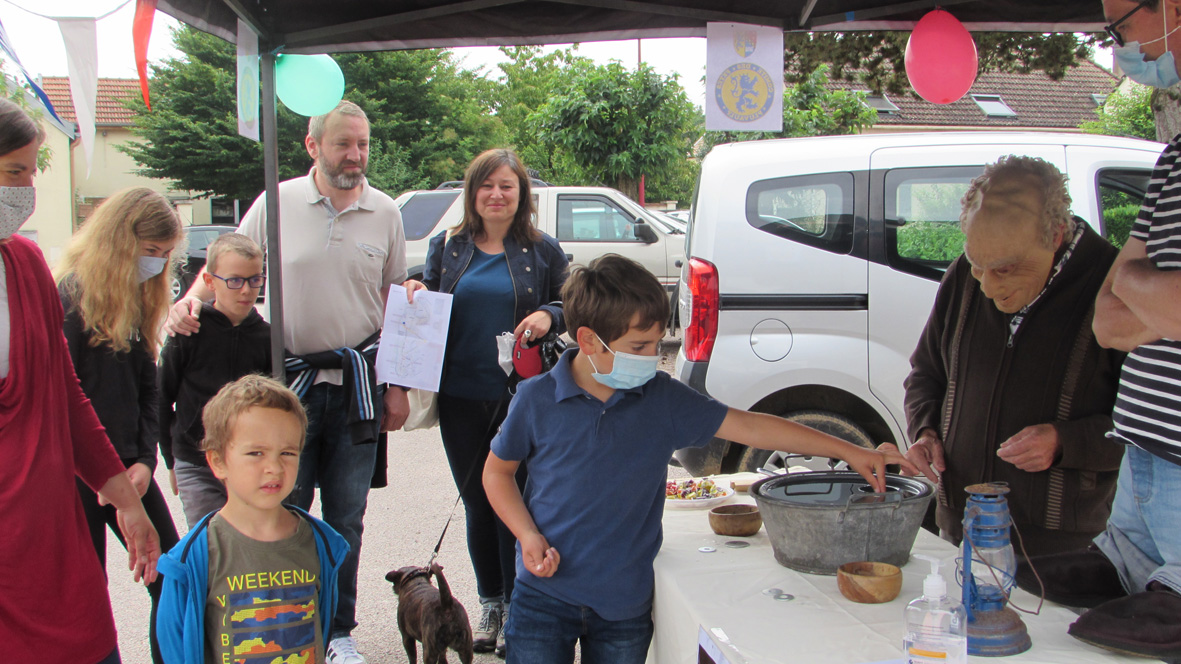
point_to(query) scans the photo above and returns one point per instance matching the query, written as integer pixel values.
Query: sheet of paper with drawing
(414, 339)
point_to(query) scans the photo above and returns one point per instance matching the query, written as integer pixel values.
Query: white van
(814, 262)
(587, 221)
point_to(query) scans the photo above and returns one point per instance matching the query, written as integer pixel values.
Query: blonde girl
(114, 282)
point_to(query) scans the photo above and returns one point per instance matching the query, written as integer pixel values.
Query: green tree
(877, 59)
(810, 108)
(618, 123)
(527, 81)
(428, 119)
(19, 95)
(1127, 112)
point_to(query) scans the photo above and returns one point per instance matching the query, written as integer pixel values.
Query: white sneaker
(343, 650)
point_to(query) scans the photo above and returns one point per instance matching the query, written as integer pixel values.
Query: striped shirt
(1148, 408)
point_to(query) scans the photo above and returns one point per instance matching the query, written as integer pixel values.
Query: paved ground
(401, 527)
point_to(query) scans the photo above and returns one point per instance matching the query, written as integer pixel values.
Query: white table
(724, 590)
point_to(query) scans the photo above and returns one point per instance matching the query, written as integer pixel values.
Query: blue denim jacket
(538, 272)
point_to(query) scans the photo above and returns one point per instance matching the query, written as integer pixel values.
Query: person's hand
(1032, 449)
(139, 477)
(926, 455)
(412, 286)
(871, 464)
(537, 324)
(539, 557)
(143, 544)
(397, 408)
(172, 481)
(182, 317)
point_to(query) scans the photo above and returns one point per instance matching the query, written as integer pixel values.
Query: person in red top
(54, 606)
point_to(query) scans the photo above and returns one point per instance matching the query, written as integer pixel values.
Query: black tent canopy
(316, 26)
(320, 26)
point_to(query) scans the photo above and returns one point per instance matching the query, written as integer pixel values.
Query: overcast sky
(38, 43)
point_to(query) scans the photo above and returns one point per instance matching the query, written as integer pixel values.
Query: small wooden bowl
(869, 583)
(735, 520)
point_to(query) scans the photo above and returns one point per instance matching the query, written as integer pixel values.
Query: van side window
(1120, 193)
(593, 219)
(923, 233)
(816, 210)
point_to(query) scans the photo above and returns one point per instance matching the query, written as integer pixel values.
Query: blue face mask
(1159, 73)
(628, 371)
(150, 266)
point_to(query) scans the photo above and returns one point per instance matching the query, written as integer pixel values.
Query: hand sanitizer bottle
(936, 624)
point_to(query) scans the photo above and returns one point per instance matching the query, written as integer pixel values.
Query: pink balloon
(941, 58)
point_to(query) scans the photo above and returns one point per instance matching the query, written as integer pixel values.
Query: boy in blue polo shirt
(596, 433)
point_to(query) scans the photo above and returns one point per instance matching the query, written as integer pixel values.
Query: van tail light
(702, 330)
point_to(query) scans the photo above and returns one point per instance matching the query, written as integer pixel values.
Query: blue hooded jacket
(180, 618)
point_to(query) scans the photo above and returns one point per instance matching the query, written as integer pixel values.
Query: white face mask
(150, 266)
(16, 206)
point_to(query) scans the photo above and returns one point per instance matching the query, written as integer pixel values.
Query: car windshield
(422, 211)
(653, 218)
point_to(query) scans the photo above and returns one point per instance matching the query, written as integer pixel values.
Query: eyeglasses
(1110, 28)
(236, 283)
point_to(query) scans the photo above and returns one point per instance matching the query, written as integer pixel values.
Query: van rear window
(816, 210)
(422, 211)
(922, 211)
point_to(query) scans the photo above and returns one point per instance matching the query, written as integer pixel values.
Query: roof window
(993, 106)
(881, 104)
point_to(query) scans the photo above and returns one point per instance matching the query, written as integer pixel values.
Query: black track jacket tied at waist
(194, 368)
(969, 385)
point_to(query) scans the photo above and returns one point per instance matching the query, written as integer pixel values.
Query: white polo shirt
(336, 265)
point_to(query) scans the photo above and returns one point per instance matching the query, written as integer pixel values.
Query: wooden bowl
(735, 520)
(869, 583)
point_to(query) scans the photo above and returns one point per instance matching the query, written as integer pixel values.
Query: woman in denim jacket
(505, 275)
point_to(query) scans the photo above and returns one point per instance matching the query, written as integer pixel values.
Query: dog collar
(421, 571)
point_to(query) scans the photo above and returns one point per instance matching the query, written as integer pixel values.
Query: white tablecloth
(724, 590)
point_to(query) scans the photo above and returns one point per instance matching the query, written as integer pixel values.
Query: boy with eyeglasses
(233, 341)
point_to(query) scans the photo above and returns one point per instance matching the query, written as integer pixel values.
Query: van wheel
(835, 425)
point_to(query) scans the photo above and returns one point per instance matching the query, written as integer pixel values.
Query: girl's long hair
(481, 169)
(100, 269)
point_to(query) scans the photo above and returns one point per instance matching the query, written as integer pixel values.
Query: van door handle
(569, 258)
(678, 263)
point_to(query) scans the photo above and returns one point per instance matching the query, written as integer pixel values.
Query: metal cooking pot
(820, 521)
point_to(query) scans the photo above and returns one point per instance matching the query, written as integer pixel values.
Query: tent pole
(270, 161)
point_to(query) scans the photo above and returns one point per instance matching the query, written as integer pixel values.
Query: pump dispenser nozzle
(934, 586)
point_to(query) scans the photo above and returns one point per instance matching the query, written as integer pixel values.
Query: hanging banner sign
(247, 81)
(744, 77)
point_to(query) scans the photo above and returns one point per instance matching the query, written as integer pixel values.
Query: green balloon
(309, 84)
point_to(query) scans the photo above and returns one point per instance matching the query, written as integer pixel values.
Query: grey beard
(338, 179)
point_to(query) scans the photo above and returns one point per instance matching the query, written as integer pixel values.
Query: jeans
(543, 630)
(467, 428)
(200, 491)
(101, 517)
(342, 470)
(1143, 539)
(112, 658)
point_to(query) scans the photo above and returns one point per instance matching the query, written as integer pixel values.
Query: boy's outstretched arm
(768, 432)
(501, 486)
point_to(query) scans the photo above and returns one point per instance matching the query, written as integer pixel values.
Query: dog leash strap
(471, 471)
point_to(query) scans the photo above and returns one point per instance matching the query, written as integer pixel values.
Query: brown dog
(432, 617)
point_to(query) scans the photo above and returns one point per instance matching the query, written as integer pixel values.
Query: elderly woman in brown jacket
(1007, 382)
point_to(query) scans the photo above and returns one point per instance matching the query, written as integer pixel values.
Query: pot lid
(837, 489)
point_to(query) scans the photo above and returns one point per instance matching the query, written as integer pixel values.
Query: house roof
(109, 109)
(1037, 101)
